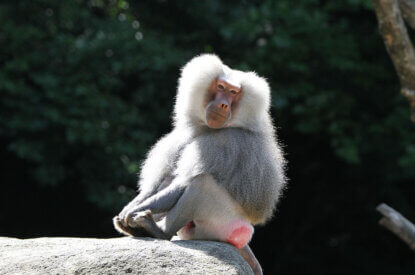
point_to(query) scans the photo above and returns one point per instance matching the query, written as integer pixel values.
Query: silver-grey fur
(208, 178)
(244, 158)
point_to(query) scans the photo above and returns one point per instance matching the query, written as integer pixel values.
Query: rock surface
(118, 256)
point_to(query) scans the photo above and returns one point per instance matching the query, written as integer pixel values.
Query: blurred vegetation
(86, 87)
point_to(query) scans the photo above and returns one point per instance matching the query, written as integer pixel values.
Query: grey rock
(125, 255)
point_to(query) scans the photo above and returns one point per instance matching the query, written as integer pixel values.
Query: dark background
(86, 87)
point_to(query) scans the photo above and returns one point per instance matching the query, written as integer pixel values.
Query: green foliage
(87, 86)
(76, 86)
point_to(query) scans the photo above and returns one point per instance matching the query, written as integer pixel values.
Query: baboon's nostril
(223, 106)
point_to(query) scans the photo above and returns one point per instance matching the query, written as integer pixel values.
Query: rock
(125, 255)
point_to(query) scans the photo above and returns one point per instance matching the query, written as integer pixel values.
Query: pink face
(221, 98)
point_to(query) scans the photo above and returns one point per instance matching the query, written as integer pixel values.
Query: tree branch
(398, 224)
(398, 45)
(407, 8)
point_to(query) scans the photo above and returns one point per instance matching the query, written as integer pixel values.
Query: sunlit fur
(195, 80)
(244, 158)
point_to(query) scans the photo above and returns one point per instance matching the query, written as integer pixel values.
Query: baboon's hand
(128, 214)
(124, 222)
(140, 224)
(132, 224)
